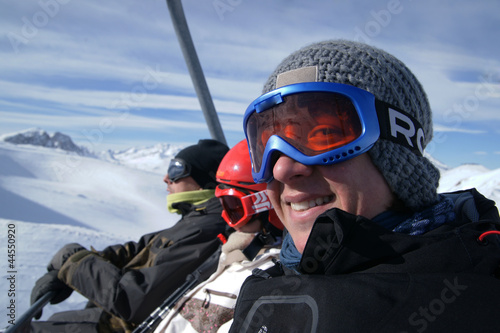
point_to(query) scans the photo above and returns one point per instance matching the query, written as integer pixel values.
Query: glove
(47, 283)
(62, 255)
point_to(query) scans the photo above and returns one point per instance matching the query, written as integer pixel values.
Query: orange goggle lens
(312, 122)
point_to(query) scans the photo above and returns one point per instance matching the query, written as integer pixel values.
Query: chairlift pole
(195, 70)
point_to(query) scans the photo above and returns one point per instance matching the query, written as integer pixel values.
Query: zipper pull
(206, 301)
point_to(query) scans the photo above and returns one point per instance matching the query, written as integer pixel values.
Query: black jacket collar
(342, 243)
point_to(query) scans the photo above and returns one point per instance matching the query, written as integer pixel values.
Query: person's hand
(50, 282)
(62, 255)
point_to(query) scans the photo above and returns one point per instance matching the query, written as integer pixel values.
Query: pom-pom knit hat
(412, 178)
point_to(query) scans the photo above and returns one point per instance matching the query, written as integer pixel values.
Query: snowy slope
(53, 195)
(45, 185)
(35, 244)
(472, 175)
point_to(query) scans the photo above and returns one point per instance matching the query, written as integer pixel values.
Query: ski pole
(199, 275)
(32, 311)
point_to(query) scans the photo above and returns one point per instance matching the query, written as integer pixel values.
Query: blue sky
(111, 73)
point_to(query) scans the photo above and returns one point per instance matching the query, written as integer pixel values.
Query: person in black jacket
(370, 246)
(125, 283)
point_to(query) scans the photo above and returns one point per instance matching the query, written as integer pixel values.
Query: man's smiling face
(300, 193)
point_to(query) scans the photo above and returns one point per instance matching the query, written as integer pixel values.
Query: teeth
(300, 205)
(304, 205)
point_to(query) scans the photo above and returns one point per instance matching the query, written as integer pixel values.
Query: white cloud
(91, 54)
(441, 128)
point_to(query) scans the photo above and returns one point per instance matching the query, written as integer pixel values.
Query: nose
(286, 169)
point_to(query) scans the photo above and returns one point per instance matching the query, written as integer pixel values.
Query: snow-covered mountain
(154, 159)
(472, 175)
(38, 137)
(53, 192)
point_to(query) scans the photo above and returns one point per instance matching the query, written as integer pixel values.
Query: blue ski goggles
(178, 169)
(322, 123)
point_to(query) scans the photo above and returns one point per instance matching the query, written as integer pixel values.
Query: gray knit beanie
(412, 178)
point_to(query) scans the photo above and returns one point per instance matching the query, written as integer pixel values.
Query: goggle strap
(400, 127)
(257, 202)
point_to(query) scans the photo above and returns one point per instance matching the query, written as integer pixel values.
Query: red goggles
(238, 206)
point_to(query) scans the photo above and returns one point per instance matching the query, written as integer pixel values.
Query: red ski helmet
(236, 183)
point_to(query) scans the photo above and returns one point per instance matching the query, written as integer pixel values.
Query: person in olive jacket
(125, 283)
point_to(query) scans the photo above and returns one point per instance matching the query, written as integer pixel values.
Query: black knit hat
(204, 159)
(412, 178)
